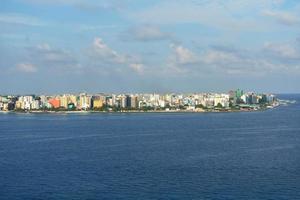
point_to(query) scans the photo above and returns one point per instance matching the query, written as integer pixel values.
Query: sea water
(244, 155)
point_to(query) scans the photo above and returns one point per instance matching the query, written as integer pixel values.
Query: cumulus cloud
(183, 55)
(26, 67)
(106, 52)
(223, 60)
(109, 59)
(180, 61)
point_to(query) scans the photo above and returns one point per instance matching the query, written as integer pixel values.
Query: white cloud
(183, 55)
(26, 67)
(106, 52)
(104, 55)
(222, 60)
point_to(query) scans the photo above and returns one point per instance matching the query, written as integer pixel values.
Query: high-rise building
(128, 101)
(84, 101)
(133, 101)
(123, 101)
(97, 102)
(239, 93)
(64, 101)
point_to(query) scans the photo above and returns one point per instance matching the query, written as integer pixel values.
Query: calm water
(151, 156)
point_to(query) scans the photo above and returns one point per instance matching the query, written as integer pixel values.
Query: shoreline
(66, 112)
(133, 112)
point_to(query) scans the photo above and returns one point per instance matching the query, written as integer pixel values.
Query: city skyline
(236, 100)
(68, 46)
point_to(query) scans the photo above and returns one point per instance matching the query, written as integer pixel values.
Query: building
(55, 103)
(133, 101)
(73, 99)
(64, 100)
(36, 104)
(84, 101)
(239, 93)
(123, 101)
(97, 102)
(221, 99)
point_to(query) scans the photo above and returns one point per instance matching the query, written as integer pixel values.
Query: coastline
(135, 111)
(241, 110)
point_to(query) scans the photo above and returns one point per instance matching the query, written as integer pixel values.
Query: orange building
(55, 103)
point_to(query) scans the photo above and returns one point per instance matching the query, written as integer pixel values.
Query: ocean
(244, 155)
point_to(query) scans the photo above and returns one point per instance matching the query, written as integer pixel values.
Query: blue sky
(55, 46)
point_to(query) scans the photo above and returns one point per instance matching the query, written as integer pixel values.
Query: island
(233, 101)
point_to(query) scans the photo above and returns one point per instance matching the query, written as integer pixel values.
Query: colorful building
(55, 103)
(97, 103)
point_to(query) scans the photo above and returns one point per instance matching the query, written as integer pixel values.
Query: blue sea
(245, 155)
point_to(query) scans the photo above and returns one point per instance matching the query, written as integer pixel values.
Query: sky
(68, 46)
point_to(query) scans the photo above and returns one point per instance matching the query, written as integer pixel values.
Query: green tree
(219, 105)
(200, 106)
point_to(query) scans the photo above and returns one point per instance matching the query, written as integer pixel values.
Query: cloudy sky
(55, 46)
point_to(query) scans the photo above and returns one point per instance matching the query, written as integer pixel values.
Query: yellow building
(73, 99)
(19, 105)
(63, 101)
(97, 103)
